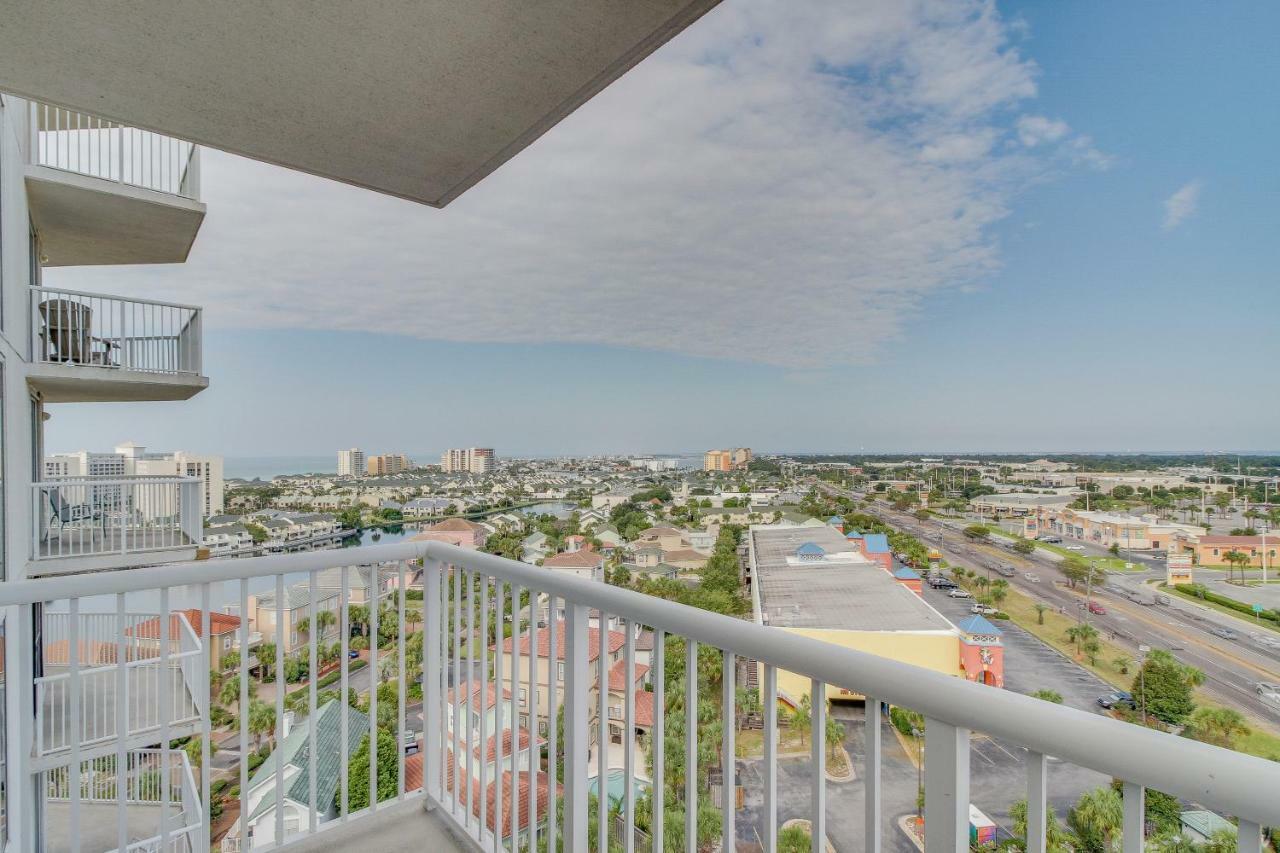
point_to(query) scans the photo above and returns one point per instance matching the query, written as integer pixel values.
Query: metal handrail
(1232, 782)
(114, 296)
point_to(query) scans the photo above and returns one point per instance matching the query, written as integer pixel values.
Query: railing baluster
(946, 787)
(629, 735)
(500, 711)
(532, 663)
(75, 770)
(1037, 801)
(313, 675)
(1248, 837)
(481, 809)
(554, 668)
(243, 709)
(122, 720)
(432, 724)
(470, 740)
(770, 702)
(455, 627)
(871, 776)
(602, 732)
(516, 594)
(1134, 817)
(280, 687)
(374, 679)
(658, 792)
(690, 744)
(728, 758)
(206, 725)
(402, 676)
(576, 723)
(818, 751)
(166, 711)
(344, 619)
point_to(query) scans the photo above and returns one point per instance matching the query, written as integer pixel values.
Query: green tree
(1236, 560)
(794, 839)
(1122, 664)
(1024, 546)
(1080, 634)
(1164, 686)
(230, 693)
(358, 772)
(262, 721)
(977, 532)
(1096, 820)
(1057, 838)
(195, 751)
(266, 657)
(1041, 607)
(1218, 726)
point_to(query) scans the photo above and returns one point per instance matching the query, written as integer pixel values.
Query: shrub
(904, 719)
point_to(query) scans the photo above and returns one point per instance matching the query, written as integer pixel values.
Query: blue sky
(1028, 226)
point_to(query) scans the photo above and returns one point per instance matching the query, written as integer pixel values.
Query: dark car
(1117, 699)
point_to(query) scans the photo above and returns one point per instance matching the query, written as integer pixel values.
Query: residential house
(456, 531)
(534, 547)
(227, 538)
(584, 563)
(293, 794)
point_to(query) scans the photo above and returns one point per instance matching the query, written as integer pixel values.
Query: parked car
(959, 593)
(1096, 608)
(1224, 633)
(410, 743)
(983, 609)
(1117, 699)
(1051, 540)
(1031, 577)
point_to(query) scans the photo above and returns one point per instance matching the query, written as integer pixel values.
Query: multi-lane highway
(1232, 667)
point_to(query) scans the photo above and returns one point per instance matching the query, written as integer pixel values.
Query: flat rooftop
(839, 594)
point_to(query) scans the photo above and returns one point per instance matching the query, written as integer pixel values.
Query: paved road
(1231, 667)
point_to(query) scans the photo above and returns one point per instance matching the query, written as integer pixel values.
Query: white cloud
(1181, 204)
(782, 184)
(1035, 130)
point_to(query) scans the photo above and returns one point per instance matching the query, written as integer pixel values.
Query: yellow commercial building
(812, 581)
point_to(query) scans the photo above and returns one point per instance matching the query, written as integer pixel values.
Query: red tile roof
(219, 624)
(618, 675)
(616, 639)
(644, 708)
(458, 524)
(491, 697)
(471, 794)
(584, 559)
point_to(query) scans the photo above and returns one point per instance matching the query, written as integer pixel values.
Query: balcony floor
(99, 830)
(400, 827)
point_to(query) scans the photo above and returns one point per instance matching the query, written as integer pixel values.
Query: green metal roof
(296, 752)
(1206, 823)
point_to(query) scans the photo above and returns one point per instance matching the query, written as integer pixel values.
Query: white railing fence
(468, 597)
(99, 644)
(99, 330)
(99, 148)
(90, 516)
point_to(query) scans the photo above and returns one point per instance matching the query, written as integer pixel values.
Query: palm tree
(262, 720)
(1122, 664)
(412, 617)
(1236, 558)
(1080, 634)
(1095, 819)
(230, 693)
(1220, 726)
(802, 718)
(999, 591)
(1040, 609)
(358, 618)
(266, 654)
(1057, 839)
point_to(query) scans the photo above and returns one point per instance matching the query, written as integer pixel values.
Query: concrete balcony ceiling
(415, 99)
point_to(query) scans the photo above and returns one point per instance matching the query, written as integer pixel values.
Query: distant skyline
(1018, 226)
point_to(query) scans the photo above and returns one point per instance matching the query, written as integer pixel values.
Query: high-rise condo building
(388, 463)
(468, 460)
(735, 459)
(133, 460)
(351, 463)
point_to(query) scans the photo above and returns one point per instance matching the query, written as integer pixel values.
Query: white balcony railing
(466, 593)
(157, 788)
(95, 516)
(106, 700)
(97, 330)
(99, 148)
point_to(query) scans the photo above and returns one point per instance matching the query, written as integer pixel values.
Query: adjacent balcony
(92, 347)
(485, 788)
(101, 192)
(88, 523)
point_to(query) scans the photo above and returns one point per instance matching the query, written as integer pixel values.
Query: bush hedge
(1203, 593)
(904, 720)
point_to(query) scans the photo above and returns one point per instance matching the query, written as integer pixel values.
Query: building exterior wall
(938, 651)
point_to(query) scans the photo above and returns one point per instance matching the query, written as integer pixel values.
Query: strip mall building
(816, 582)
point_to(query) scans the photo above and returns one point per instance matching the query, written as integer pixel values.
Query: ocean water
(266, 467)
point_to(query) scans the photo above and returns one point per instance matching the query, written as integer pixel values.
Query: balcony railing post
(431, 696)
(871, 776)
(946, 787)
(1134, 817)
(576, 724)
(1037, 803)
